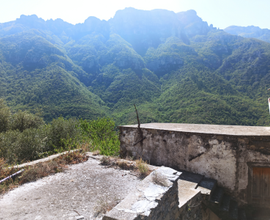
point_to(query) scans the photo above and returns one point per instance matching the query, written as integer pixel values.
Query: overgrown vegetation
(102, 134)
(25, 136)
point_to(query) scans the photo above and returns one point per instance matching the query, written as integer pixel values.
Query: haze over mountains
(173, 66)
(250, 32)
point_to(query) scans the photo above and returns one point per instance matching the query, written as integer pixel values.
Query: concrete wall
(177, 199)
(168, 209)
(226, 158)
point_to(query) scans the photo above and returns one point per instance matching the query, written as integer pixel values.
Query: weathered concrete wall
(150, 199)
(168, 209)
(226, 158)
(177, 199)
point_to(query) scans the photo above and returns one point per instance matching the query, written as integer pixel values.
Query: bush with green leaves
(4, 116)
(103, 135)
(62, 134)
(17, 147)
(23, 120)
(25, 136)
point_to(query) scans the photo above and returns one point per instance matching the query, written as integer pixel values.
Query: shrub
(25, 136)
(4, 116)
(62, 134)
(23, 120)
(102, 134)
(17, 147)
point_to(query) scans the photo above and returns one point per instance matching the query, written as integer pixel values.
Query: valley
(173, 66)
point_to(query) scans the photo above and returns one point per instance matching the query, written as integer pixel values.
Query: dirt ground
(82, 190)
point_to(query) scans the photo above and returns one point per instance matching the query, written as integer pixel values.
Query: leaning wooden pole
(140, 133)
(139, 125)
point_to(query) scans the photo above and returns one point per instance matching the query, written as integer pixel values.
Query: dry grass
(4, 172)
(37, 171)
(138, 167)
(160, 179)
(116, 162)
(125, 165)
(105, 160)
(96, 152)
(142, 167)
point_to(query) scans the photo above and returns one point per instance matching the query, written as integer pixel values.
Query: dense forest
(173, 66)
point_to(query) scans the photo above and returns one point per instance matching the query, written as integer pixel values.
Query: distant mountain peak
(27, 18)
(92, 19)
(249, 32)
(190, 16)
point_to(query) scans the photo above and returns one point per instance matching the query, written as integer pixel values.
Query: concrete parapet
(148, 196)
(229, 154)
(163, 195)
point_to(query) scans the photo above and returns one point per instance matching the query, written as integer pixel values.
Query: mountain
(250, 32)
(37, 75)
(173, 66)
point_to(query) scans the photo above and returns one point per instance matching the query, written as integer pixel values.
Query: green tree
(17, 147)
(4, 116)
(102, 134)
(23, 120)
(60, 131)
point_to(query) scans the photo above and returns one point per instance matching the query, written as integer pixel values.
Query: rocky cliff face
(144, 29)
(192, 24)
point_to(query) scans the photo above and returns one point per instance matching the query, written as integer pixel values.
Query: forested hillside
(173, 66)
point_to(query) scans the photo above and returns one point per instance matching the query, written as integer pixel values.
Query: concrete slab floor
(81, 190)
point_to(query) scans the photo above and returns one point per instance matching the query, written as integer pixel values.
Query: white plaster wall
(223, 158)
(218, 162)
(190, 153)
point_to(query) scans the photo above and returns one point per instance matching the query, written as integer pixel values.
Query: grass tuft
(142, 167)
(125, 165)
(160, 179)
(105, 160)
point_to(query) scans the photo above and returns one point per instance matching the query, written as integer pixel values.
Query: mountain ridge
(173, 66)
(250, 32)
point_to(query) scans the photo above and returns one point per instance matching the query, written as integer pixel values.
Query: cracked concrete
(81, 190)
(144, 198)
(223, 152)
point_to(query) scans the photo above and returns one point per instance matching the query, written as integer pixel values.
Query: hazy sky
(220, 13)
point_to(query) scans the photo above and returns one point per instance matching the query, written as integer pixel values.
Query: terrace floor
(81, 190)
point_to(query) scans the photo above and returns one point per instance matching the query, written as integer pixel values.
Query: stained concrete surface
(222, 152)
(146, 196)
(234, 130)
(80, 190)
